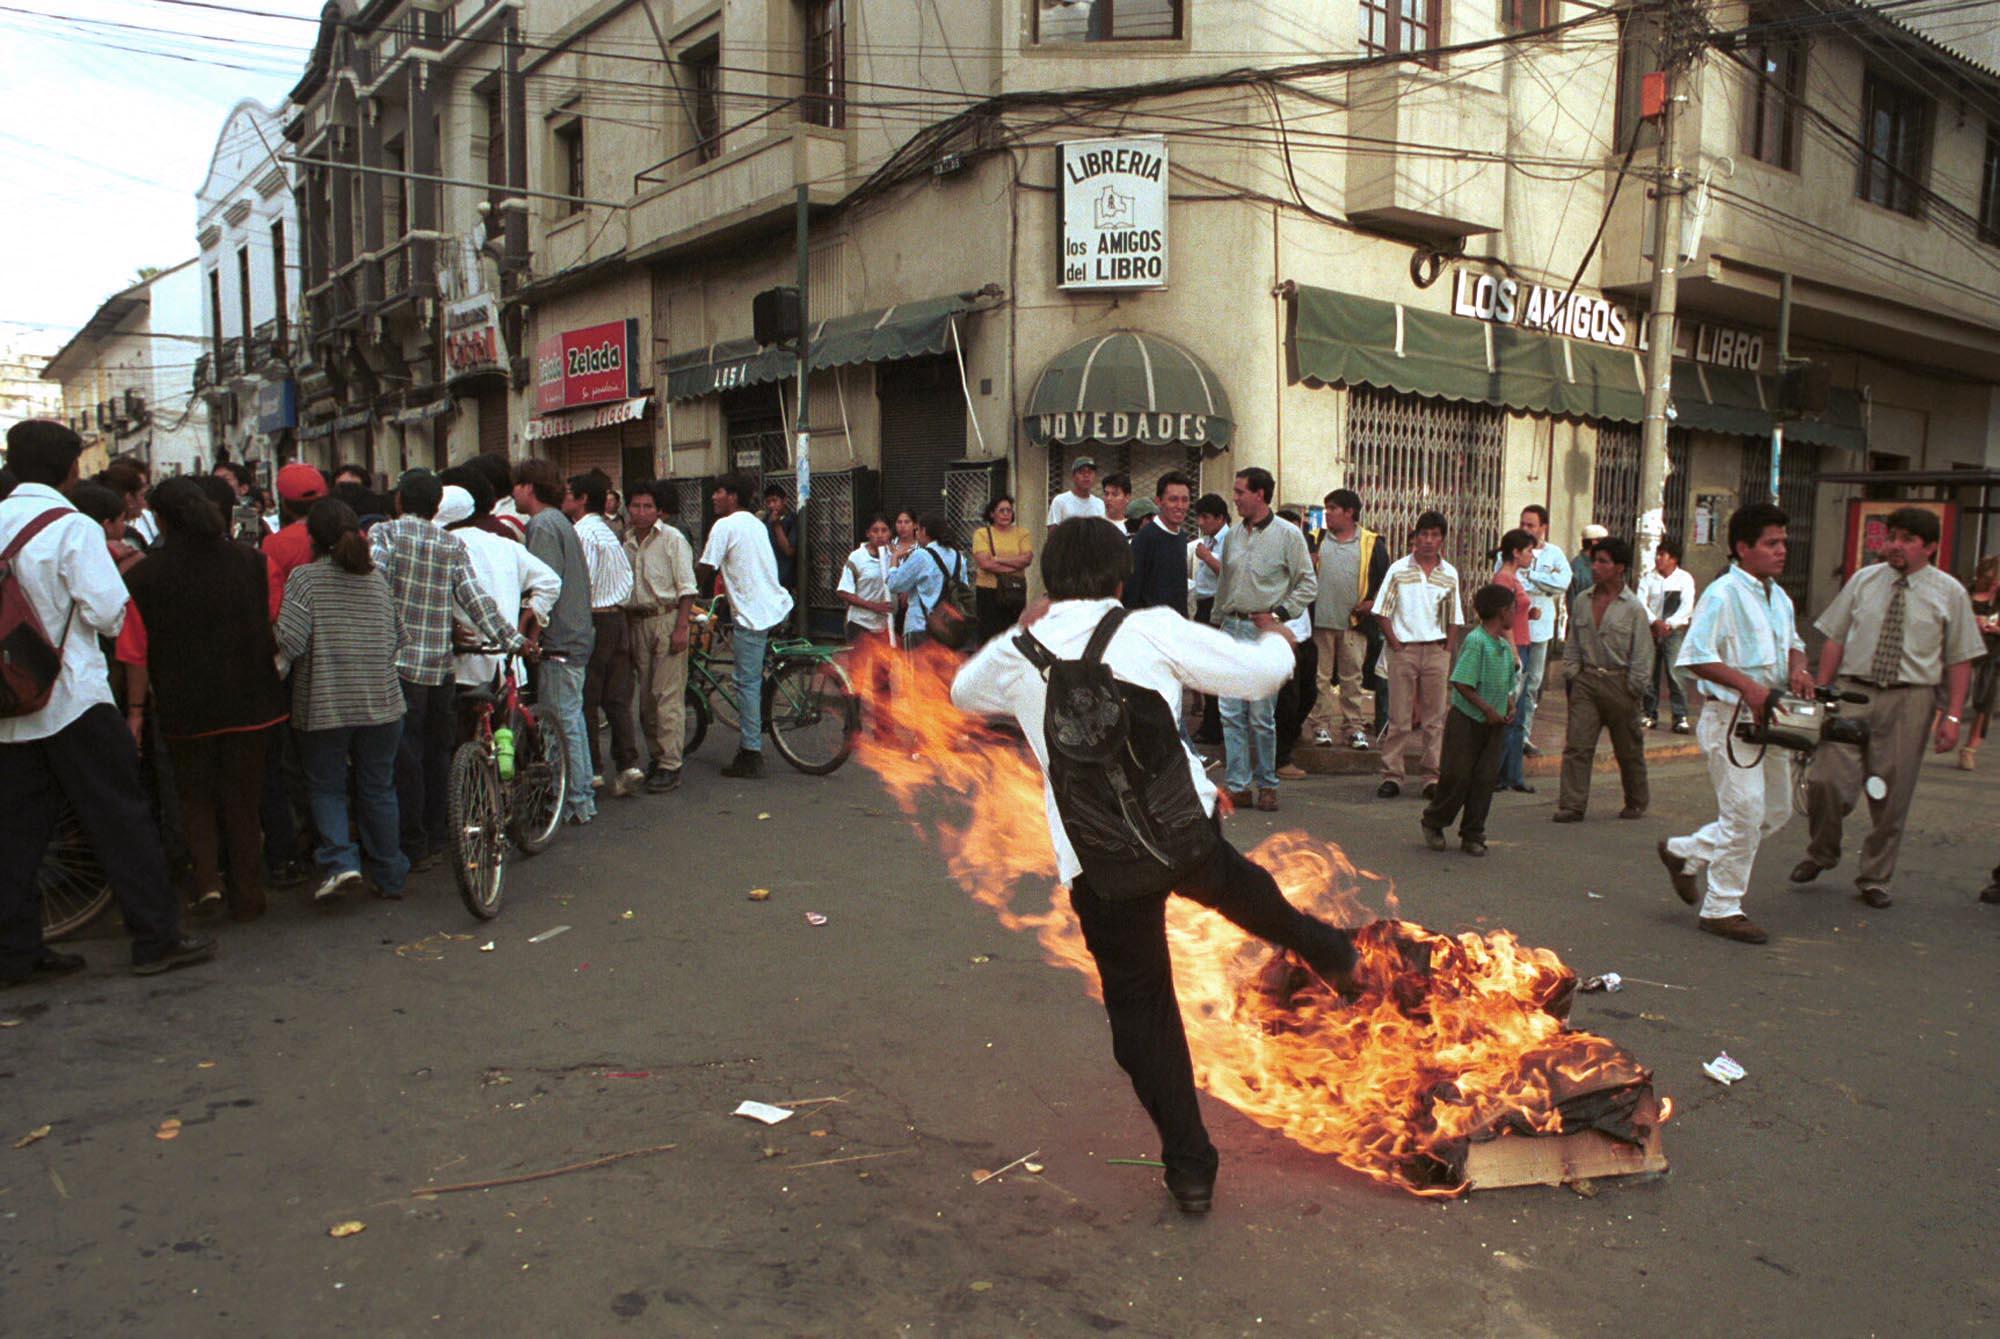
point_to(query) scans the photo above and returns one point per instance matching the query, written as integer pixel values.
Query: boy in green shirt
(1475, 730)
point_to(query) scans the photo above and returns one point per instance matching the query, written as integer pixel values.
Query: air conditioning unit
(135, 404)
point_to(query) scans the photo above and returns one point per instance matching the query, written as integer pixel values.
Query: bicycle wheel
(478, 844)
(812, 713)
(73, 886)
(541, 784)
(694, 723)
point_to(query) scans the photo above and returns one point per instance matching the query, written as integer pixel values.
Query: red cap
(300, 483)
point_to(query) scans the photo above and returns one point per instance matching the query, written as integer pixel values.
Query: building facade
(125, 376)
(248, 228)
(1179, 234)
(23, 392)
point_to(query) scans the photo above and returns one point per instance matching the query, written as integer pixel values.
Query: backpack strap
(1107, 627)
(33, 528)
(1034, 652)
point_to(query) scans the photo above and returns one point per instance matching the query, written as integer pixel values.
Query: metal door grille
(968, 487)
(1614, 483)
(829, 530)
(688, 507)
(1408, 454)
(1676, 514)
(1795, 494)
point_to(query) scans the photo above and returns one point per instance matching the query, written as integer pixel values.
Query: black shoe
(1433, 837)
(1523, 789)
(662, 779)
(1877, 898)
(1191, 1193)
(1388, 790)
(1430, 790)
(1991, 892)
(1472, 846)
(1806, 872)
(1530, 751)
(183, 952)
(1566, 816)
(47, 963)
(422, 863)
(745, 764)
(290, 874)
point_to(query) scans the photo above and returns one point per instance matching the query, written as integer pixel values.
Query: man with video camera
(1744, 648)
(1898, 628)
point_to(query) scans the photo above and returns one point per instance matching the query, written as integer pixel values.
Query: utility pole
(802, 451)
(1675, 65)
(1784, 360)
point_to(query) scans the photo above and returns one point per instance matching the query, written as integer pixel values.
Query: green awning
(907, 330)
(1714, 399)
(1339, 338)
(1129, 386)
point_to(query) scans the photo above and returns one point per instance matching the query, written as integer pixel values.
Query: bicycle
(810, 707)
(500, 794)
(74, 889)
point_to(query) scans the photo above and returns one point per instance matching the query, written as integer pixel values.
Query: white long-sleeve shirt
(512, 576)
(68, 576)
(1154, 648)
(1654, 589)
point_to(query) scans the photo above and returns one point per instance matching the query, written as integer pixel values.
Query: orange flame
(1454, 1038)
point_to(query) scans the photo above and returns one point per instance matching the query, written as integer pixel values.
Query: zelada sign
(588, 366)
(1114, 213)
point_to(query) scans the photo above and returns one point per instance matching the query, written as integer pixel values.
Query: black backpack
(950, 621)
(1119, 772)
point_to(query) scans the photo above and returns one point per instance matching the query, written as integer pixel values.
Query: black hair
(1513, 542)
(1747, 524)
(1085, 559)
(336, 533)
(1168, 480)
(493, 469)
(1617, 550)
(42, 451)
(1539, 510)
(1491, 601)
(591, 487)
(1258, 480)
(367, 479)
(1671, 547)
(937, 525)
(1212, 504)
(217, 492)
(232, 469)
(186, 510)
(737, 485)
(1914, 521)
(869, 524)
(123, 475)
(541, 478)
(994, 503)
(9, 481)
(1431, 520)
(418, 493)
(1289, 515)
(1346, 499)
(475, 483)
(1120, 481)
(773, 490)
(99, 503)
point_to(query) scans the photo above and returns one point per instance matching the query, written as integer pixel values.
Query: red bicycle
(508, 781)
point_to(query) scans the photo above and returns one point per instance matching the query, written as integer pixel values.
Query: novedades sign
(1114, 213)
(593, 365)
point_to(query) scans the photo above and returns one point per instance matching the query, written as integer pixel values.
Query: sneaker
(1359, 742)
(746, 763)
(336, 884)
(662, 779)
(597, 781)
(1530, 751)
(628, 783)
(1648, 722)
(208, 903)
(1472, 846)
(1292, 772)
(1680, 725)
(1388, 790)
(185, 951)
(578, 818)
(1433, 837)
(1322, 739)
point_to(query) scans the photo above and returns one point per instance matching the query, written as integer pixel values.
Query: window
(1639, 43)
(215, 316)
(569, 164)
(1107, 20)
(278, 279)
(1527, 15)
(496, 158)
(702, 75)
(1895, 131)
(1989, 188)
(823, 96)
(395, 192)
(243, 297)
(1772, 100)
(1389, 27)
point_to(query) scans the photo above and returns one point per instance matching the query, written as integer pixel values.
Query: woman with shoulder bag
(1003, 552)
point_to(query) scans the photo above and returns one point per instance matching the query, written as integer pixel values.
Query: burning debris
(1454, 1049)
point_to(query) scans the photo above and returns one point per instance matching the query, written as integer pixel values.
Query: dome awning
(1129, 386)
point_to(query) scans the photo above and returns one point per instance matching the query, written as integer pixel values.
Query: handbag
(1013, 586)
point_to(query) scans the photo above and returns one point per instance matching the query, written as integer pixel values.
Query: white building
(247, 225)
(125, 376)
(23, 393)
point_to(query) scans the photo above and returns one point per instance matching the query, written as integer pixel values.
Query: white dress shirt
(68, 576)
(1654, 589)
(604, 555)
(1747, 624)
(739, 547)
(1154, 648)
(865, 576)
(512, 577)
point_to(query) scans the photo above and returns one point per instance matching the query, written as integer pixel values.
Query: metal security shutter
(923, 431)
(493, 439)
(689, 506)
(595, 450)
(968, 487)
(1614, 482)
(1676, 515)
(1144, 461)
(841, 501)
(756, 436)
(1408, 454)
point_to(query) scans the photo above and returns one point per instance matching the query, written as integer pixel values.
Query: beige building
(1419, 275)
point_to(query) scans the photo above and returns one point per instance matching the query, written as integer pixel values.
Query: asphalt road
(324, 1068)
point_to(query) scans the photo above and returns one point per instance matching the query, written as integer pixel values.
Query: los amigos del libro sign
(1114, 213)
(1504, 300)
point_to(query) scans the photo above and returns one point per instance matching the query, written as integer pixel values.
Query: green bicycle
(810, 708)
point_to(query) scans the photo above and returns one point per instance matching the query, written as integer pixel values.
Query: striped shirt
(604, 555)
(429, 572)
(1746, 624)
(341, 633)
(1419, 606)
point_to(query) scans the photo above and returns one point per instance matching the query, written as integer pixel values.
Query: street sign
(1114, 213)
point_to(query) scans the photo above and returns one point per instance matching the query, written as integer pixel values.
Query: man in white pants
(1743, 646)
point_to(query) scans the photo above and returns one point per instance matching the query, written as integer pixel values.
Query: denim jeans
(1666, 650)
(1249, 729)
(1534, 659)
(750, 648)
(370, 750)
(560, 685)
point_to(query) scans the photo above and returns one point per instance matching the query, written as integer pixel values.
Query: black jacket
(1159, 570)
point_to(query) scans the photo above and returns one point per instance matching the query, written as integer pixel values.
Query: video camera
(1801, 725)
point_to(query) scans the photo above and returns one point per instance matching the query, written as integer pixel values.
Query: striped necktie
(1887, 666)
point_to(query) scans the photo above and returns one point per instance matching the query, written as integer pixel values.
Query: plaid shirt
(429, 572)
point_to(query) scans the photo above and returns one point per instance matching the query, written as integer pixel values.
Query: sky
(102, 149)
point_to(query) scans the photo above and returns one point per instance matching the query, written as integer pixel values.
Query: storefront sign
(313, 432)
(360, 418)
(1109, 426)
(277, 406)
(1720, 346)
(606, 416)
(1114, 213)
(1507, 301)
(587, 366)
(423, 413)
(472, 340)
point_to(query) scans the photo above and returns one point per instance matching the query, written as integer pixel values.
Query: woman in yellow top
(1002, 552)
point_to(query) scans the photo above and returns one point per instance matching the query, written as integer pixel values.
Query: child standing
(1482, 689)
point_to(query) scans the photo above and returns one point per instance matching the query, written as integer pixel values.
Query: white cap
(454, 506)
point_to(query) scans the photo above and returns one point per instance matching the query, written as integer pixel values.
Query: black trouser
(282, 780)
(91, 763)
(423, 766)
(222, 783)
(997, 611)
(1128, 938)
(1211, 714)
(1467, 773)
(607, 685)
(1297, 698)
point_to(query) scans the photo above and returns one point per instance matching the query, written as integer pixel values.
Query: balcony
(1418, 191)
(406, 270)
(748, 191)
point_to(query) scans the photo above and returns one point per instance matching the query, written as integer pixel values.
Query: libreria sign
(1114, 213)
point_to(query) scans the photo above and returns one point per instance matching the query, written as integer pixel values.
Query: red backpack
(30, 663)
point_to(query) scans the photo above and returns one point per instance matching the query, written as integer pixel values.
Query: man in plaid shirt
(429, 572)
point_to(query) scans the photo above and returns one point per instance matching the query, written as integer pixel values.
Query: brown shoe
(1738, 927)
(1566, 816)
(1991, 892)
(1292, 772)
(1633, 811)
(1806, 871)
(1684, 886)
(1267, 801)
(1877, 898)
